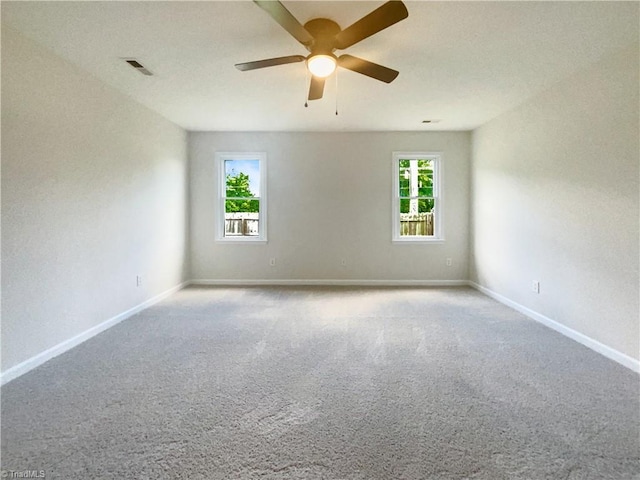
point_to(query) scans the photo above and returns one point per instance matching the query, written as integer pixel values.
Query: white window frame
(220, 158)
(438, 233)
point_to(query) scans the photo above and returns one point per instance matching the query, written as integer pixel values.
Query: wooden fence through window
(241, 224)
(412, 225)
(247, 224)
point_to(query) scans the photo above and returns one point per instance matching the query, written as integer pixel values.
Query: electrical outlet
(535, 286)
(449, 262)
(272, 262)
(138, 280)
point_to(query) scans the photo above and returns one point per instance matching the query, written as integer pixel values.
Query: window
(417, 203)
(242, 202)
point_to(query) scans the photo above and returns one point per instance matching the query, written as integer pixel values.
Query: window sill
(242, 240)
(419, 240)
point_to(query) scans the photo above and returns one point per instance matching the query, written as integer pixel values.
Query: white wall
(329, 197)
(555, 199)
(94, 192)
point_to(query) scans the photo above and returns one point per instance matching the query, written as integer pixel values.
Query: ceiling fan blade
(316, 88)
(381, 18)
(367, 68)
(286, 20)
(269, 62)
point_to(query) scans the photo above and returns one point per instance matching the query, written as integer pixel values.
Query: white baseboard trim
(37, 360)
(329, 282)
(589, 342)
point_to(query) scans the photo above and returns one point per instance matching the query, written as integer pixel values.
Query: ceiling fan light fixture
(322, 36)
(321, 65)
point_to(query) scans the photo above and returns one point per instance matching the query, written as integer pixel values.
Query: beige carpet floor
(325, 383)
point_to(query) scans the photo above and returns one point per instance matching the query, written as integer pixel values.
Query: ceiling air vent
(138, 66)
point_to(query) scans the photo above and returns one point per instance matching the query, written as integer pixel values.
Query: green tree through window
(417, 184)
(238, 189)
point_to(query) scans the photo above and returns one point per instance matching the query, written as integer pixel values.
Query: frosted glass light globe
(321, 65)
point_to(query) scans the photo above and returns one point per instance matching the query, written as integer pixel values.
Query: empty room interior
(320, 240)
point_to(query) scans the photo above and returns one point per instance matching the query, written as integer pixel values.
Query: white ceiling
(462, 63)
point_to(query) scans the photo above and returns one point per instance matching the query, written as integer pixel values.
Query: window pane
(242, 218)
(415, 178)
(242, 177)
(416, 216)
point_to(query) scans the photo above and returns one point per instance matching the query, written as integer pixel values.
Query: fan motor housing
(324, 32)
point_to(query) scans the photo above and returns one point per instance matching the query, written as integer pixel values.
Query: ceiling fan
(322, 37)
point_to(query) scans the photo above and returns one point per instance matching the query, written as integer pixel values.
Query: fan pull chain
(307, 81)
(336, 91)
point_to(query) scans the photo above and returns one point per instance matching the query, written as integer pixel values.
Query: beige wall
(329, 198)
(94, 192)
(555, 199)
